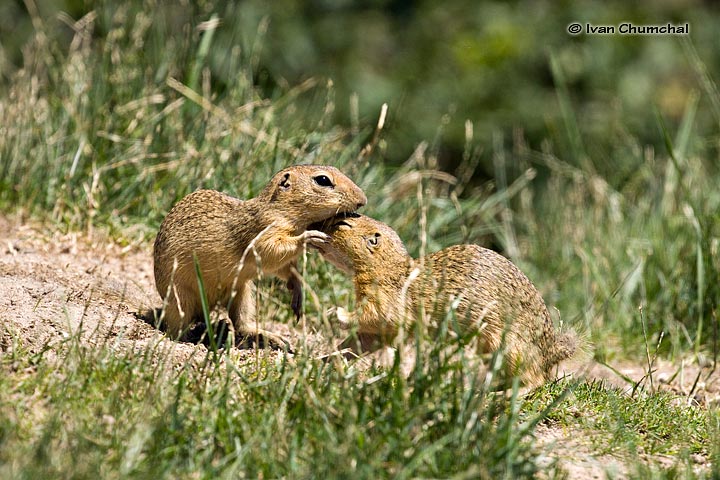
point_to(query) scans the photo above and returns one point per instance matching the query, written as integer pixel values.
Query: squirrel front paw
(315, 238)
(341, 316)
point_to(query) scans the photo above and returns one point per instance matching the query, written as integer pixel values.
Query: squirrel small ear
(285, 182)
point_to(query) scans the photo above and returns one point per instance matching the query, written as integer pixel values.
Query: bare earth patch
(53, 285)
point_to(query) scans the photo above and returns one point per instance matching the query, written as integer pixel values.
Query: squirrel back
(484, 291)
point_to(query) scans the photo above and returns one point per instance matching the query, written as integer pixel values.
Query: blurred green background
(437, 65)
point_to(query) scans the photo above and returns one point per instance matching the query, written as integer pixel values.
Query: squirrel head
(312, 193)
(360, 244)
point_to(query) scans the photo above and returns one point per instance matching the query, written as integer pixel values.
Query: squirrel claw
(315, 238)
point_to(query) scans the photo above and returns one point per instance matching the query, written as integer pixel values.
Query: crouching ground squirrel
(233, 239)
(490, 295)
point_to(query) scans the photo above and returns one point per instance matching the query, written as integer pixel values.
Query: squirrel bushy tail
(567, 343)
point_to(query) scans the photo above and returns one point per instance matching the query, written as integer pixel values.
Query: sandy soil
(52, 285)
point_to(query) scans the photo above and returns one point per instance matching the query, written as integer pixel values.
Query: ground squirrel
(489, 293)
(229, 237)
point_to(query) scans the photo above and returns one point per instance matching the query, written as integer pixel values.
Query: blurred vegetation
(437, 65)
(102, 411)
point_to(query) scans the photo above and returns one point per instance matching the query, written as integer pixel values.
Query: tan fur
(233, 239)
(489, 295)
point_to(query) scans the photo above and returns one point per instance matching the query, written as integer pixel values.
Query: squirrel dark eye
(373, 241)
(323, 181)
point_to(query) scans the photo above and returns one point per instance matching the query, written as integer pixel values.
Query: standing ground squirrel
(229, 237)
(488, 293)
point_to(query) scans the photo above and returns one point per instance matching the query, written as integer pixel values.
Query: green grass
(633, 426)
(107, 131)
(618, 422)
(93, 412)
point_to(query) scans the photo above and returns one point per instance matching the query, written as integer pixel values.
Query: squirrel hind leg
(523, 363)
(180, 311)
(242, 312)
(242, 308)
